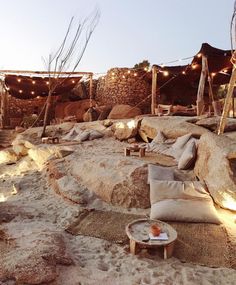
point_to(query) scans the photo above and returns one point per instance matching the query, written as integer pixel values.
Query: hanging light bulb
(32, 92)
(123, 76)
(213, 74)
(135, 74)
(194, 66)
(47, 82)
(183, 72)
(113, 73)
(20, 91)
(166, 73)
(73, 81)
(38, 97)
(145, 69)
(199, 55)
(33, 82)
(128, 71)
(19, 80)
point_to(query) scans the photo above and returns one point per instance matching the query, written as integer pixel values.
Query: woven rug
(203, 244)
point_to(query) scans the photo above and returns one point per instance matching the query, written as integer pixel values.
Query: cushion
(95, 135)
(83, 136)
(159, 138)
(177, 148)
(181, 201)
(188, 156)
(159, 173)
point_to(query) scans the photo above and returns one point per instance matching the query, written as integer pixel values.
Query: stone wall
(20, 108)
(124, 86)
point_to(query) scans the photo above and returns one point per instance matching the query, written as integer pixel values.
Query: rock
(40, 154)
(231, 135)
(20, 149)
(114, 178)
(216, 166)
(172, 127)
(8, 156)
(213, 122)
(90, 115)
(78, 108)
(33, 257)
(124, 112)
(124, 130)
(19, 129)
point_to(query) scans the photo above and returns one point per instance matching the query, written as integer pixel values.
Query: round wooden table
(138, 233)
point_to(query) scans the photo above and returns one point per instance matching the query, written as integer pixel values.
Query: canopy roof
(219, 64)
(29, 87)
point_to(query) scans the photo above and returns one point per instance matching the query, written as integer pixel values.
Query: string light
(135, 74)
(145, 68)
(19, 80)
(113, 73)
(20, 91)
(32, 92)
(47, 82)
(194, 66)
(113, 78)
(33, 82)
(123, 76)
(213, 74)
(128, 71)
(199, 55)
(73, 81)
(183, 72)
(165, 73)
(38, 97)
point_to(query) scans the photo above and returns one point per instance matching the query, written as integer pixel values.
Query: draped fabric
(28, 87)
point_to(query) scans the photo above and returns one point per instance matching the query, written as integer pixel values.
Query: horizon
(128, 31)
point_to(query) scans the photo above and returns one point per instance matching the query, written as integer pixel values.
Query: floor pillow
(159, 173)
(181, 201)
(188, 156)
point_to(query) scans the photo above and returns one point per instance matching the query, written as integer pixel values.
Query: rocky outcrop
(125, 129)
(216, 166)
(213, 122)
(115, 179)
(124, 112)
(172, 127)
(33, 256)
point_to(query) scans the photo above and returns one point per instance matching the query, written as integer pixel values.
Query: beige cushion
(159, 138)
(181, 201)
(188, 156)
(93, 134)
(159, 173)
(177, 148)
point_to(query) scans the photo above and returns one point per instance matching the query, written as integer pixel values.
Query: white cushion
(181, 201)
(159, 173)
(188, 156)
(177, 148)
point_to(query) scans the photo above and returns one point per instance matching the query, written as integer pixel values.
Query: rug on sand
(203, 244)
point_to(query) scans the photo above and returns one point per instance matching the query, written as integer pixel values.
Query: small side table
(53, 140)
(139, 149)
(138, 231)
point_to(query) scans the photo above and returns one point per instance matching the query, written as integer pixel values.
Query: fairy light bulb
(73, 81)
(19, 80)
(123, 76)
(33, 82)
(183, 72)
(194, 66)
(113, 73)
(32, 92)
(38, 97)
(199, 55)
(128, 71)
(145, 69)
(47, 82)
(135, 74)
(165, 73)
(20, 91)
(213, 74)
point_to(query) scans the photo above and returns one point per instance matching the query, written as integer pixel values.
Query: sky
(128, 31)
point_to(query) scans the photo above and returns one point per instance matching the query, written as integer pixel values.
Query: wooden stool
(141, 150)
(53, 140)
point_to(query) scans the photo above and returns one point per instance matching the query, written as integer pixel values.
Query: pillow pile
(181, 201)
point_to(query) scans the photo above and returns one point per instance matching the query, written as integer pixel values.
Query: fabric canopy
(28, 87)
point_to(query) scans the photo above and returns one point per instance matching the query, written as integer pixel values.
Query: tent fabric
(28, 87)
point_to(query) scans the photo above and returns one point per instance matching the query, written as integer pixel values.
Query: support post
(227, 102)
(154, 89)
(4, 107)
(90, 90)
(201, 86)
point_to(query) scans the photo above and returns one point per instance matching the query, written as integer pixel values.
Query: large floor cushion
(181, 201)
(159, 173)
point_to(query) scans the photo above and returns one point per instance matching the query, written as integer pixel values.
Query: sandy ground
(95, 261)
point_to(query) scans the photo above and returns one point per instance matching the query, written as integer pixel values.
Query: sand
(95, 261)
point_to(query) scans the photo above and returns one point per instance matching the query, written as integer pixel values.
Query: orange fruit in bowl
(155, 230)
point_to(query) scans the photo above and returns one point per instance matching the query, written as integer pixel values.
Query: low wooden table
(138, 233)
(53, 140)
(137, 148)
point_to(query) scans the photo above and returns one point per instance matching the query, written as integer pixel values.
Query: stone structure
(124, 86)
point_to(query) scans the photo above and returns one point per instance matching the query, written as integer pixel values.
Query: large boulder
(125, 129)
(216, 166)
(172, 127)
(124, 112)
(212, 123)
(8, 156)
(115, 179)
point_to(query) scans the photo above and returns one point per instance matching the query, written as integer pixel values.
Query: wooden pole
(227, 102)
(154, 89)
(4, 107)
(90, 90)
(201, 86)
(44, 72)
